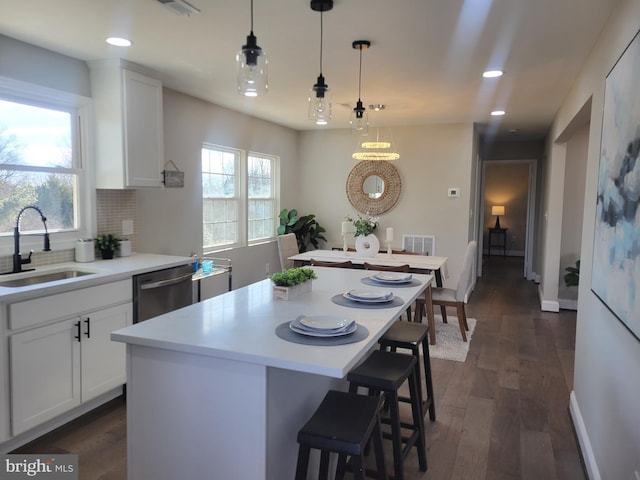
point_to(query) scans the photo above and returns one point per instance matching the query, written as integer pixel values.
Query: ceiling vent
(179, 7)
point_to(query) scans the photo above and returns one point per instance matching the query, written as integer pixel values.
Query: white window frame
(81, 107)
(241, 175)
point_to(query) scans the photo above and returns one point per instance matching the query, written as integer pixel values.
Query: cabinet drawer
(44, 309)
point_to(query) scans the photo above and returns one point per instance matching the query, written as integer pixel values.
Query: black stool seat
(343, 424)
(386, 372)
(409, 335)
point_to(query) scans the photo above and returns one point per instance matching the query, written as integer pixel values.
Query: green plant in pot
(107, 244)
(306, 228)
(293, 276)
(572, 277)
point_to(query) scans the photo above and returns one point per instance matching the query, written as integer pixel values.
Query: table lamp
(497, 210)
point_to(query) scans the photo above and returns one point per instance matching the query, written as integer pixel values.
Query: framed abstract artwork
(616, 250)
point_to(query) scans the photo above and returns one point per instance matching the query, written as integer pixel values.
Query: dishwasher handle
(165, 283)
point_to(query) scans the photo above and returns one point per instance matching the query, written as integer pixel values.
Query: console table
(500, 233)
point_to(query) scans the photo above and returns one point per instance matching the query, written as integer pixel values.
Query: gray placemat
(345, 302)
(284, 332)
(373, 283)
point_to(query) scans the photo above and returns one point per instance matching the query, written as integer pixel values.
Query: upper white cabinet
(128, 125)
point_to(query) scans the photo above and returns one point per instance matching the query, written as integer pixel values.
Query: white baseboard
(547, 305)
(568, 304)
(583, 439)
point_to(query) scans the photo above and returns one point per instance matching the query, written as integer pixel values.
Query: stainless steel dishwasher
(161, 291)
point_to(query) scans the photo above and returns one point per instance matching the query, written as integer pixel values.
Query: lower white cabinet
(58, 366)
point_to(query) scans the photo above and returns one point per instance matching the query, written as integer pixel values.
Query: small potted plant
(292, 282)
(107, 244)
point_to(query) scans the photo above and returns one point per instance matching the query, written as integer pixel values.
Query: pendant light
(380, 149)
(359, 120)
(252, 66)
(320, 94)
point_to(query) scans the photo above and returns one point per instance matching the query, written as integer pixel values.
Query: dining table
(417, 263)
(220, 388)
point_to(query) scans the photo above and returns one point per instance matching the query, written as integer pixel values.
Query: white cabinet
(57, 367)
(128, 125)
(60, 351)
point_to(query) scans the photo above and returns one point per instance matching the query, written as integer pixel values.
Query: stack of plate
(391, 278)
(323, 326)
(368, 296)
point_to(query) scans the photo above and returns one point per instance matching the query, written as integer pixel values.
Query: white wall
(170, 219)
(604, 403)
(433, 158)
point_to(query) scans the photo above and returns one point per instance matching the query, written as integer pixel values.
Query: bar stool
(410, 336)
(344, 423)
(386, 372)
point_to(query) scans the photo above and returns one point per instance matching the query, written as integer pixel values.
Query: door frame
(528, 272)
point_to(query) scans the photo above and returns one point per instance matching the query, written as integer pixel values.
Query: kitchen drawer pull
(78, 331)
(88, 322)
(165, 283)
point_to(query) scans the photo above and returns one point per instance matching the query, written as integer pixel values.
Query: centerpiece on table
(367, 244)
(290, 283)
(107, 244)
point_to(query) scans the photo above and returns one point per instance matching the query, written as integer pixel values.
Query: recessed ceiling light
(119, 42)
(492, 73)
(377, 107)
(498, 113)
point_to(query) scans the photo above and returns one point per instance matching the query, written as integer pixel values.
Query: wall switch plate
(127, 227)
(454, 192)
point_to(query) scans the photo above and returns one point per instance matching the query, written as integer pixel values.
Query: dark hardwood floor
(501, 415)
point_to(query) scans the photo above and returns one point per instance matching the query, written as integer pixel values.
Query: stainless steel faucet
(18, 261)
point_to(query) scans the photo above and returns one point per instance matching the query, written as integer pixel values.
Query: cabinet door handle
(78, 337)
(88, 322)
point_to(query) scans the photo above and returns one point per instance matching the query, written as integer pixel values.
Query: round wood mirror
(373, 187)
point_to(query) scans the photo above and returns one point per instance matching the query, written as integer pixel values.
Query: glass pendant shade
(359, 120)
(252, 65)
(320, 102)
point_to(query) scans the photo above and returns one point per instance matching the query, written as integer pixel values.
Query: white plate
(323, 322)
(392, 277)
(370, 294)
(348, 296)
(311, 333)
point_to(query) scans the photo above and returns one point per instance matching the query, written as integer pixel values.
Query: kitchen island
(214, 393)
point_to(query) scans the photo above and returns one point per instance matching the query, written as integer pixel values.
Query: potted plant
(107, 244)
(572, 277)
(367, 244)
(292, 282)
(306, 228)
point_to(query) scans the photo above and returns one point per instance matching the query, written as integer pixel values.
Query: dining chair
(318, 263)
(287, 247)
(448, 297)
(391, 268)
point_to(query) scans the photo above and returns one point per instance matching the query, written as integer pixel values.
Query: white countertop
(240, 325)
(103, 271)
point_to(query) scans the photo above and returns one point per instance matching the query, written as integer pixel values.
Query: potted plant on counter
(292, 282)
(107, 244)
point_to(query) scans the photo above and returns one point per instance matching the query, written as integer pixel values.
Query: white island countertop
(102, 271)
(240, 325)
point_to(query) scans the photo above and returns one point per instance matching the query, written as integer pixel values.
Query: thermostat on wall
(454, 192)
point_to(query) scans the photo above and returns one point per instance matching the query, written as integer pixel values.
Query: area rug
(449, 344)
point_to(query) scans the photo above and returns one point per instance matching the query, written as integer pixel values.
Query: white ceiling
(425, 61)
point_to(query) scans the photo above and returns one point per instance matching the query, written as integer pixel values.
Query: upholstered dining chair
(318, 263)
(448, 297)
(287, 247)
(390, 268)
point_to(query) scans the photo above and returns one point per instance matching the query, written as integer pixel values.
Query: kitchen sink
(44, 277)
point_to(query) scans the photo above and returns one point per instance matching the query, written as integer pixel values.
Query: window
(39, 162)
(239, 197)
